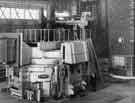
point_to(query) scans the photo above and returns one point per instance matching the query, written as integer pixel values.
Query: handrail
(48, 35)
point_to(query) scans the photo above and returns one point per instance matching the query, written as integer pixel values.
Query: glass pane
(2, 10)
(13, 14)
(6, 12)
(20, 13)
(17, 13)
(35, 13)
(27, 14)
(0, 13)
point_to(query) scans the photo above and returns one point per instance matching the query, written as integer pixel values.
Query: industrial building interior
(67, 51)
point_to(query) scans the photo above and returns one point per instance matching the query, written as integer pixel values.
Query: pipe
(123, 77)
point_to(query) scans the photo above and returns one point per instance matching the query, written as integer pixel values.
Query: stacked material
(47, 46)
(40, 57)
(74, 52)
(44, 61)
(36, 55)
(52, 54)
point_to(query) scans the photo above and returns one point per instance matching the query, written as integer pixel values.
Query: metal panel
(120, 27)
(16, 37)
(3, 50)
(7, 50)
(121, 31)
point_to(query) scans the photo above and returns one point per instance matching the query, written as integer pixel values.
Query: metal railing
(37, 35)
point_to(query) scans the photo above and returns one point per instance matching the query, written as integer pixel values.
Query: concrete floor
(113, 93)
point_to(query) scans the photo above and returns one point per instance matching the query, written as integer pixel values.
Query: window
(28, 14)
(18, 13)
(35, 13)
(4, 13)
(13, 14)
